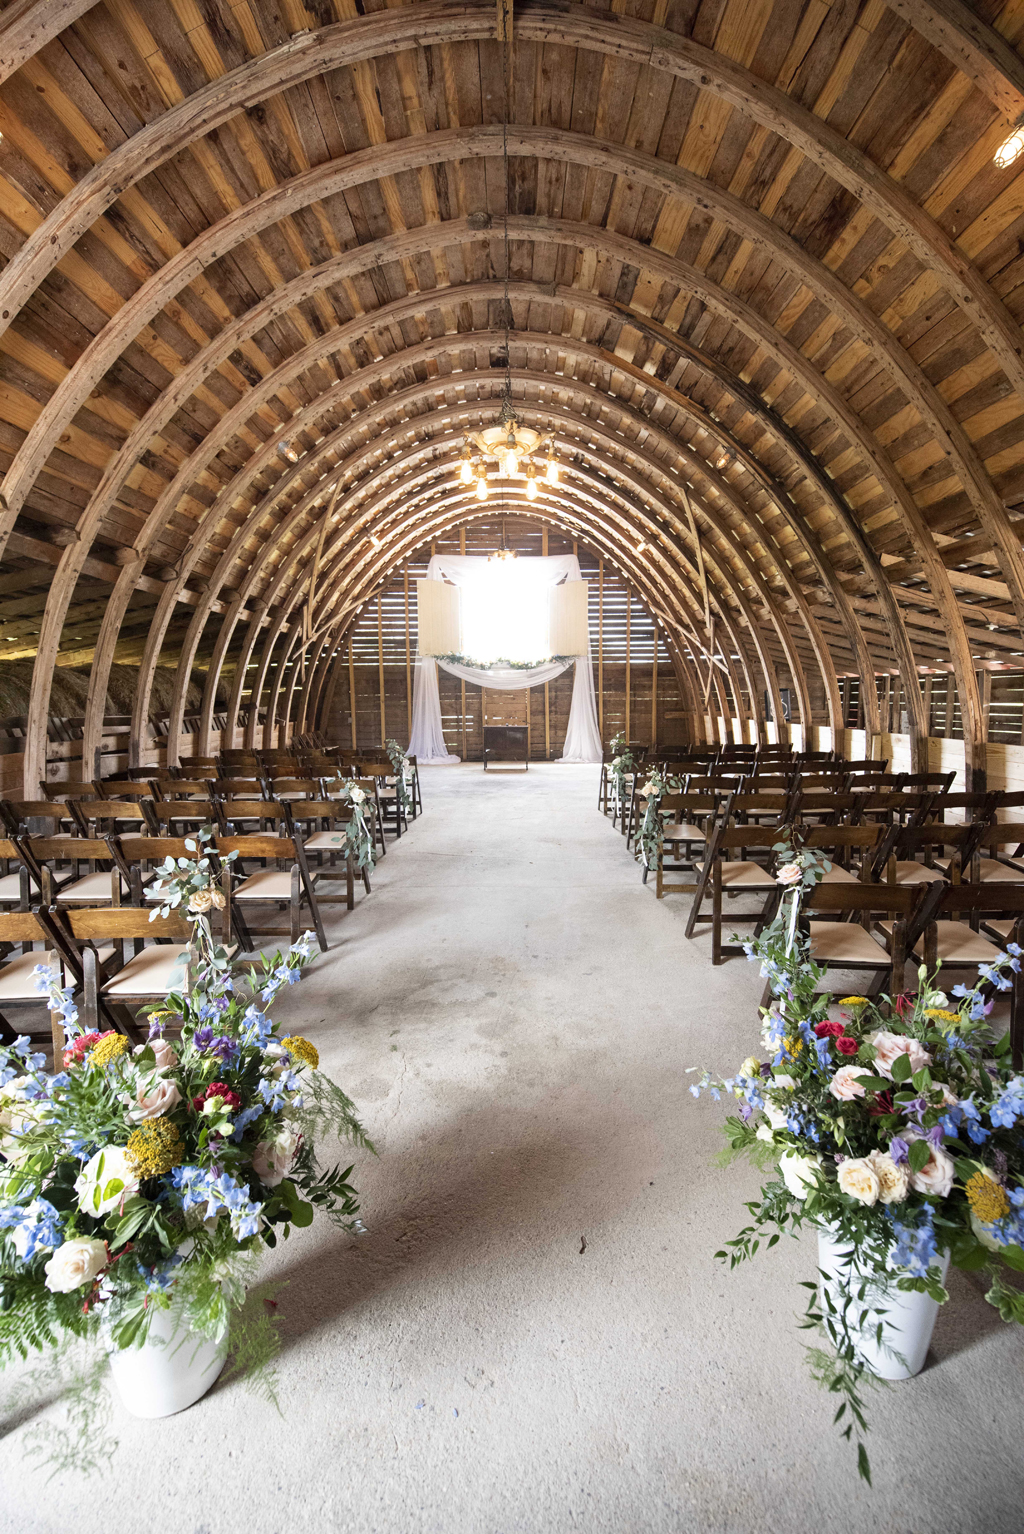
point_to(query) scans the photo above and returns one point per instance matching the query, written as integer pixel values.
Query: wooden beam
(28, 25)
(975, 48)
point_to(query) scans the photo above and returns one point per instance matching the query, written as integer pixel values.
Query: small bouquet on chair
(138, 1182)
(895, 1130)
(358, 835)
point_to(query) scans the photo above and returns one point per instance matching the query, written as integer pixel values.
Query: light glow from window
(506, 612)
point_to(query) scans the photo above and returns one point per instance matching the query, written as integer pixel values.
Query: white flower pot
(909, 1318)
(171, 1370)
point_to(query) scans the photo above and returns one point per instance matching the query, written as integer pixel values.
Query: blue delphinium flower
(1009, 1105)
(35, 1226)
(916, 1244)
(220, 1193)
(899, 1150)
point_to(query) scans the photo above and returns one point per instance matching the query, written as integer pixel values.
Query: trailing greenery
(403, 775)
(897, 1128)
(358, 842)
(649, 836)
(504, 664)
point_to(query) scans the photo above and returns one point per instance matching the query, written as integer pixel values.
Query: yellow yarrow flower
(155, 1148)
(987, 1198)
(853, 1001)
(109, 1049)
(942, 1014)
(301, 1049)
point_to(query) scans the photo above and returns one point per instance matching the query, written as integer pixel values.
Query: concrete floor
(534, 1335)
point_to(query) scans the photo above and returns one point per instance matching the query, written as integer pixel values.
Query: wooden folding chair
(288, 884)
(113, 980)
(686, 825)
(990, 862)
(105, 817)
(919, 854)
(59, 816)
(391, 807)
(847, 944)
(22, 930)
(999, 909)
(938, 782)
(741, 876)
(76, 870)
(20, 873)
(181, 817)
(371, 807)
(244, 815)
(323, 827)
(122, 788)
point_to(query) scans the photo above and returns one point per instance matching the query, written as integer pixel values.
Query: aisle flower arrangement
(619, 768)
(896, 1127)
(649, 835)
(358, 835)
(134, 1179)
(403, 775)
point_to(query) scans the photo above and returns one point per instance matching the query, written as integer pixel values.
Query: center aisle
(534, 1337)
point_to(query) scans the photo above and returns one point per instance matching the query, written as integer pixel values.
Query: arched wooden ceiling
(766, 282)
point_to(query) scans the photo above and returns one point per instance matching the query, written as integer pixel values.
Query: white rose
(798, 1172)
(789, 873)
(782, 1084)
(272, 1159)
(858, 1179)
(105, 1180)
(75, 1263)
(155, 1097)
(647, 790)
(750, 1069)
(357, 795)
(764, 1132)
(936, 1176)
(893, 1182)
(889, 1046)
(845, 1084)
(777, 1117)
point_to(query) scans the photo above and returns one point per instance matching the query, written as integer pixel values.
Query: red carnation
(231, 1100)
(847, 1046)
(75, 1051)
(829, 1030)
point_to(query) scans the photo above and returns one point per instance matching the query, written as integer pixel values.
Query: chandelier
(508, 442)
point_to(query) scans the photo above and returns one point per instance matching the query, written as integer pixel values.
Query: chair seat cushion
(265, 884)
(325, 841)
(10, 889)
(844, 942)
(746, 876)
(153, 972)
(994, 872)
(683, 833)
(1005, 929)
(94, 889)
(17, 981)
(837, 875)
(908, 872)
(957, 944)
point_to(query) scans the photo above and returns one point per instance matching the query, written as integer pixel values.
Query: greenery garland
(650, 835)
(403, 775)
(358, 838)
(503, 664)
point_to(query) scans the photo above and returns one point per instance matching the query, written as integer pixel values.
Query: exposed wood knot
(64, 537)
(125, 556)
(479, 220)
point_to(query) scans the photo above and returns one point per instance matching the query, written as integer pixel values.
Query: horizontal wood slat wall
(608, 625)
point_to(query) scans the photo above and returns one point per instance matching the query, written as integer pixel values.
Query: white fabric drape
(582, 739)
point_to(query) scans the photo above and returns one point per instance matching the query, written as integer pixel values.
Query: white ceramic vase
(171, 1370)
(909, 1318)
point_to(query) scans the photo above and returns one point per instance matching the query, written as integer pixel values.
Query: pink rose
(155, 1098)
(272, 1159)
(845, 1084)
(889, 1046)
(936, 1176)
(163, 1050)
(789, 873)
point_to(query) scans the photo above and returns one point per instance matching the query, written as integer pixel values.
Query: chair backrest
(823, 802)
(68, 849)
(104, 810)
(238, 788)
(963, 899)
(18, 811)
(182, 788)
(306, 788)
(758, 803)
(729, 837)
(684, 807)
(152, 849)
(120, 923)
(260, 844)
(999, 834)
(254, 809)
(866, 764)
(166, 811)
(939, 781)
(22, 927)
(842, 840)
(696, 784)
(123, 788)
(897, 899)
(767, 783)
(812, 781)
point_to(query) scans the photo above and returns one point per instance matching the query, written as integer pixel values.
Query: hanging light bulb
(1011, 149)
(466, 471)
(287, 451)
(531, 485)
(481, 487)
(552, 471)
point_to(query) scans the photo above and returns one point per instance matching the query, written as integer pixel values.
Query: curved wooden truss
(766, 295)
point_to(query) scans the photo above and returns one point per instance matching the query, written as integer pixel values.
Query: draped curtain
(582, 739)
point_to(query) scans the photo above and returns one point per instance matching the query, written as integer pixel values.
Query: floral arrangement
(621, 765)
(403, 774)
(649, 836)
(897, 1127)
(358, 835)
(137, 1178)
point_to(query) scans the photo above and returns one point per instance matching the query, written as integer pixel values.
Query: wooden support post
(928, 703)
(629, 614)
(462, 550)
(352, 692)
(408, 659)
(947, 729)
(654, 692)
(600, 649)
(380, 666)
(547, 686)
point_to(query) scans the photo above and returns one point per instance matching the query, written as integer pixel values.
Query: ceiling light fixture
(1011, 149)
